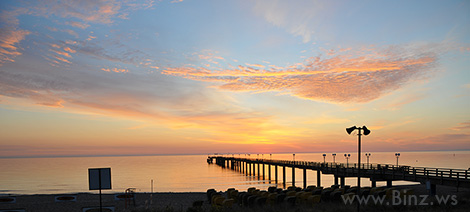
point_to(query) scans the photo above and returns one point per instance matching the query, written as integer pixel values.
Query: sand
(158, 201)
(47, 203)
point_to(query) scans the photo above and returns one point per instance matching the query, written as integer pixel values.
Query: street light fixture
(368, 155)
(366, 132)
(334, 157)
(347, 156)
(293, 157)
(397, 155)
(324, 156)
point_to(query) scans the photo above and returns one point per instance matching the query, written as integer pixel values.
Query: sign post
(98, 179)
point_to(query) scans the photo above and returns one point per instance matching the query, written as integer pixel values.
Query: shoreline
(172, 201)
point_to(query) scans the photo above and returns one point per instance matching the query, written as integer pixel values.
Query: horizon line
(187, 154)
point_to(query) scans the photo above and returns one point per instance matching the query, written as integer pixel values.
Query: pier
(375, 172)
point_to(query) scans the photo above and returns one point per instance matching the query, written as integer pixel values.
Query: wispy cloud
(10, 36)
(115, 70)
(462, 126)
(353, 77)
(78, 24)
(297, 20)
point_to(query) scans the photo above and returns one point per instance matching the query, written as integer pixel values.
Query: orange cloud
(9, 38)
(341, 78)
(78, 24)
(61, 53)
(462, 126)
(61, 59)
(116, 70)
(255, 65)
(69, 50)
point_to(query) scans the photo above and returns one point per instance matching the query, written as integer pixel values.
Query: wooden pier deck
(375, 172)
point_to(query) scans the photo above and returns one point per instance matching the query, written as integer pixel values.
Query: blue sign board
(99, 178)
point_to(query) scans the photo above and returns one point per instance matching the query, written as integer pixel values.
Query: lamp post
(366, 132)
(324, 156)
(334, 157)
(293, 157)
(368, 155)
(347, 156)
(270, 156)
(397, 155)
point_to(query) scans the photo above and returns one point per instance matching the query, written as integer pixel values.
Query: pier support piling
(293, 176)
(275, 174)
(269, 172)
(284, 176)
(263, 172)
(305, 178)
(318, 178)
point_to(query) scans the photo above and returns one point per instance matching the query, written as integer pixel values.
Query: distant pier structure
(375, 172)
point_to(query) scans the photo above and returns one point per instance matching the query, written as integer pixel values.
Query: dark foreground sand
(173, 201)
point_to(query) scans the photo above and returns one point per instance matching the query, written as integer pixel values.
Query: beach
(178, 201)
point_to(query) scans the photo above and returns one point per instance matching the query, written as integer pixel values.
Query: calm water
(188, 173)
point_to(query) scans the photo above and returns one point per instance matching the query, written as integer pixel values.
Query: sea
(190, 173)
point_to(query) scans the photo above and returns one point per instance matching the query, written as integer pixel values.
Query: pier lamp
(366, 132)
(347, 156)
(270, 156)
(368, 155)
(397, 155)
(334, 157)
(324, 156)
(293, 157)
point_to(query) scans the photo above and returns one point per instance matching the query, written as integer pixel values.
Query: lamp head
(350, 129)
(366, 131)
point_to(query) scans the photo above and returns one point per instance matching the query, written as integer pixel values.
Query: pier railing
(374, 171)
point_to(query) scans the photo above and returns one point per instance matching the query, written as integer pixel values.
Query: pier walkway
(375, 172)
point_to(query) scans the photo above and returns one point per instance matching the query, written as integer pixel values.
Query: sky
(108, 77)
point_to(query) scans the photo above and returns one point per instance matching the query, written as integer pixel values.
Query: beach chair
(317, 191)
(228, 203)
(280, 198)
(303, 197)
(260, 201)
(217, 200)
(290, 193)
(291, 200)
(325, 194)
(271, 199)
(263, 193)
(335, 196)
(342, 190)
(209, 194)
(313, 199)
(272, 189)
